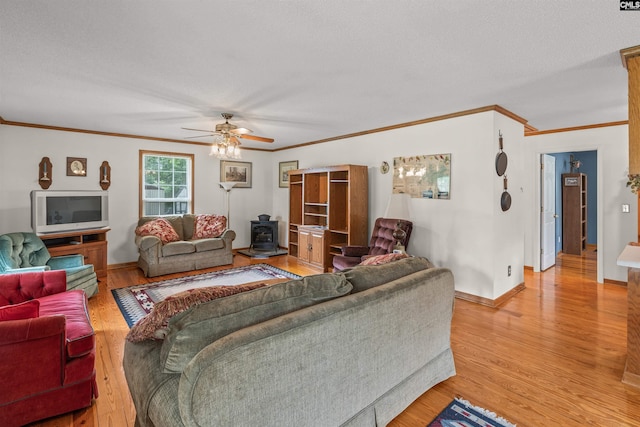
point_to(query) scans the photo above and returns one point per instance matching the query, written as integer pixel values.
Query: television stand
(91, 244)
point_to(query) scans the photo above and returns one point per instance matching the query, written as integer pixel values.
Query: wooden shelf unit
(91, 244)
(334, 199)
(574, 213)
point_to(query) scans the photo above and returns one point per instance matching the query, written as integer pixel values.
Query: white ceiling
(301, 71)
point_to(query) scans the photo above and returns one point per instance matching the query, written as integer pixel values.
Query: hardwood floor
(551, 356)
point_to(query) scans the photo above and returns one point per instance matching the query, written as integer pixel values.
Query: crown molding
(576, 128)
(114, 134)
(496, 108)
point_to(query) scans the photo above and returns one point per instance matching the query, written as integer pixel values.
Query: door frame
(537, 174)
(543, 184)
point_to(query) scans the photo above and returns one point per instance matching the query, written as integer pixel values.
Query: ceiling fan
(227, 144)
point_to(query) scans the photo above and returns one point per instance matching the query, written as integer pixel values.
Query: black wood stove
(264, 235)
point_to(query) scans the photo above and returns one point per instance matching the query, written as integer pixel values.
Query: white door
(548, 213)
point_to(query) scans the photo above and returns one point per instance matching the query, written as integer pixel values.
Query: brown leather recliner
(382, 242)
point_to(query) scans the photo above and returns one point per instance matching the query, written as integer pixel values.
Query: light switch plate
(625, 208)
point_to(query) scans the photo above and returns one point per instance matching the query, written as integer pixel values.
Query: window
(166, 183)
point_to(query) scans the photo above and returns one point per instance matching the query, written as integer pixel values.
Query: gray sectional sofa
(156, 258)
(353, 348)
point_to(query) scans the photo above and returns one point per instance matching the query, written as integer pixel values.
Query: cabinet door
(317, 249)
(96, 254)
(304, 245)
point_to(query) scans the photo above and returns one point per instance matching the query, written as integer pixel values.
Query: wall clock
(76, 166)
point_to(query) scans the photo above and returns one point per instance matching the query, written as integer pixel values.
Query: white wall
(615, 228)
(21, 150)
(468, 233)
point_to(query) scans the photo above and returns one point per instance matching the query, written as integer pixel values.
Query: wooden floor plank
(552, 355)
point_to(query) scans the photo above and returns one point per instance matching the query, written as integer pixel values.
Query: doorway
(551, 218)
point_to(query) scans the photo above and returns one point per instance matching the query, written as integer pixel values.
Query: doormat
(262, 254)
(135, 302)
(462, 413)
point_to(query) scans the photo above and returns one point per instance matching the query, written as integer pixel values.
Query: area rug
(135, 302)
(461, 413)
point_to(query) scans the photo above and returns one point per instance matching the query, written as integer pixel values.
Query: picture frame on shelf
(238, 172)
(283, 172)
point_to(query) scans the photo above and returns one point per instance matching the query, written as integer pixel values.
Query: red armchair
(47, 348)
(382, 242)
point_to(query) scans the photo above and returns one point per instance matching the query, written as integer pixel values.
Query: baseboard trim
(494, 303)
(123, 265)
(615, 282)
(630, 378)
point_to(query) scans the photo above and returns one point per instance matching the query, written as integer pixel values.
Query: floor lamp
(227, 186)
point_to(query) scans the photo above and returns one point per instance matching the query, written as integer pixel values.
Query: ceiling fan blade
(241, 131)
(234, 140)
(199, 136)
(199, 130)
(256, 138)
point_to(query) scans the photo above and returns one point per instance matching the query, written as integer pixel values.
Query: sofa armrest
(228, 235)
(19, 331)
(145, 243)
(65, 261)
(33, 356)
(355, 250)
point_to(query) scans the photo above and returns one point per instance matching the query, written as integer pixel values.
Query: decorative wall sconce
(105, 175)
(45, 172)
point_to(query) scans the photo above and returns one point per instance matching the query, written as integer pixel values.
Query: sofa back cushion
(368, 276)
(154, 325)
(188, 226)
(20, 287)
(196, 328)
(21, 250)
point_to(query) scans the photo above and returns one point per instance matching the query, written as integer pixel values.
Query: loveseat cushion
(368, 276)
(73, 305)
(194, 329)
(204, 245)
(178, 248)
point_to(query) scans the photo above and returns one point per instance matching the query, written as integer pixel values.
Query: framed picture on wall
(238, 172)
(283, 174)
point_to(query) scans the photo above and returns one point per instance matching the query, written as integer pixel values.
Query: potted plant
(634, 182)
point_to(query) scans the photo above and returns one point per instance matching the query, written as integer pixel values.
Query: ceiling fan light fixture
(225, 148)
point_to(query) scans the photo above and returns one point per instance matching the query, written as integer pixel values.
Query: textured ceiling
(301, 71)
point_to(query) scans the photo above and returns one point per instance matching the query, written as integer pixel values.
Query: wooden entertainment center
(328, 209)
(91, 244)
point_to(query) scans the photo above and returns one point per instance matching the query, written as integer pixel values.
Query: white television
(60, 211)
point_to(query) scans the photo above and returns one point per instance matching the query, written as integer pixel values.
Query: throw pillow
(209, 226)
(161, 228)
(24, 310)
(193, 330)
(383, 259)
(154, 325)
